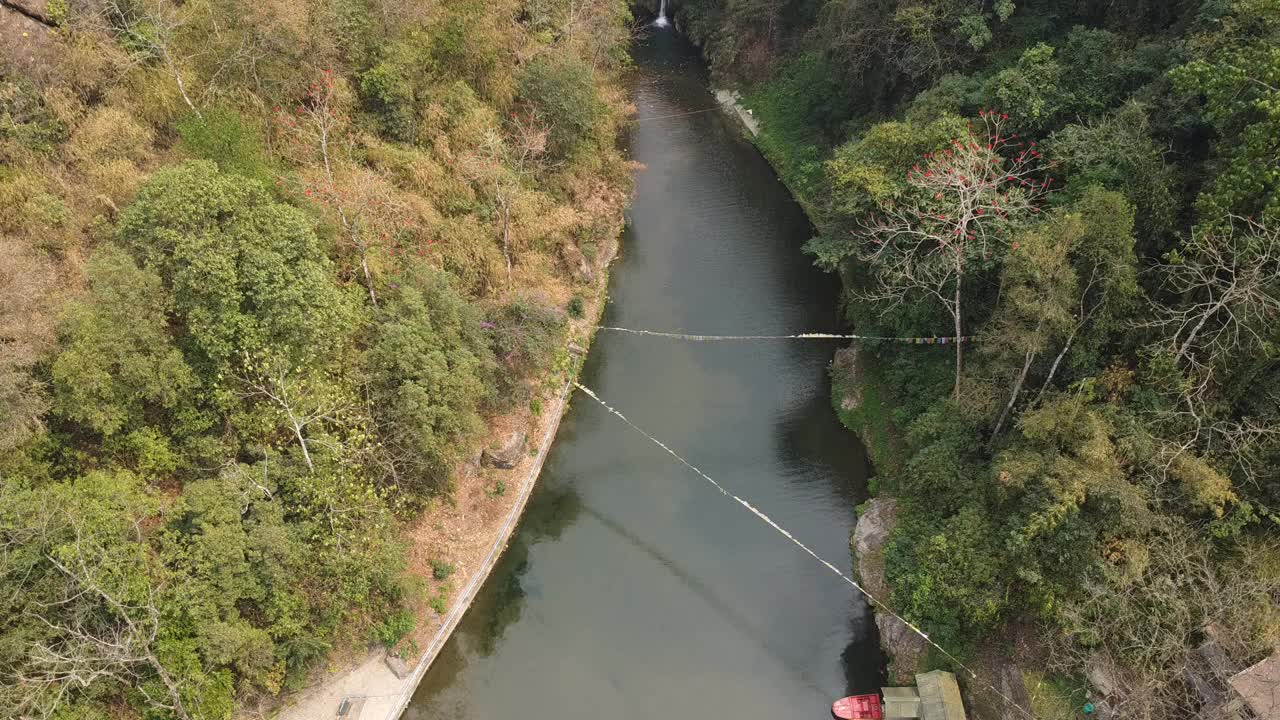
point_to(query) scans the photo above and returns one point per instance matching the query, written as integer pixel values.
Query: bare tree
(1229, 282)
(356, 197)
(1209, 611)
(1226, 282)
(961, 205)
(97, 633)
(150, 27)
(504, 164)
(302, 402)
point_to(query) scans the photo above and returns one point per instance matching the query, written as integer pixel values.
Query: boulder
(397, 665)
(1101, 674)
(507, 455)
(27, 46)
(577, 264)
(1014, 688)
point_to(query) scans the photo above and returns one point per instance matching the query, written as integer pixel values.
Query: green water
(632, 589)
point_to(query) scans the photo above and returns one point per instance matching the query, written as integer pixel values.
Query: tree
(958, 214)
(1037, 295)
(148, 29)
(1032, 89)
(118, 366)
(300, 400)
(1236, 73)
(365, 205)
(1119, 153)
(1226, 284)
(1098, 230)
(428, 363)
(247, 274)
(1230, 278)
(505, 164)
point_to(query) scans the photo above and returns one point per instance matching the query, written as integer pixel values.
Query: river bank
(467, 534)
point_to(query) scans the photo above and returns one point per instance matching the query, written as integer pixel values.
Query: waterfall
(662, 14)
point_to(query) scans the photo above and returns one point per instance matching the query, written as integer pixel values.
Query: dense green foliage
(1111, 431)
(268, 271)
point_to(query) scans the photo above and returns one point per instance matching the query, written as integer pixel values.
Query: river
(633, 589)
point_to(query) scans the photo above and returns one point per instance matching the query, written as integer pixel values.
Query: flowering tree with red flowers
(955, 216)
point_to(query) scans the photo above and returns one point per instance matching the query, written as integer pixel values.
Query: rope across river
(796, 541)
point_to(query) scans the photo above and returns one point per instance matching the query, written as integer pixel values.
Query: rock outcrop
(730, 101)
(845, 373)
(906, 649)
(26, 41)
(506, 456)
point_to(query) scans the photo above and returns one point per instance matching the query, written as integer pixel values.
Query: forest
(267, 270)
(1088, 193)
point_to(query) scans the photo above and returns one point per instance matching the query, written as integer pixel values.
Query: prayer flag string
(799, 336)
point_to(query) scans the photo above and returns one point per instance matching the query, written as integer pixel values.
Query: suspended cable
(801, 336)
(796, 541)
(674, 115)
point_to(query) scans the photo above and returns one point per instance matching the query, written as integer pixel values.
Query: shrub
(388, 92)
(561, 90)
(109, 133)
(441, 570)
(223, 136)
(26, 123)
(947, 574)
(524, 335)
(393, 628)
(576, 306)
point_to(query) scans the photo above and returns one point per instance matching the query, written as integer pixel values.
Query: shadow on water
(499, 605)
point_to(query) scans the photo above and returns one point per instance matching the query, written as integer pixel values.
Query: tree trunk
(1056, 362)
(1017, 388)
(506, 237)
(368, 277)
(959, 322)
(302, 441)
(175, 694)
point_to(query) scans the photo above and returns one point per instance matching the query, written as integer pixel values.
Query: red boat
(857, 707)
